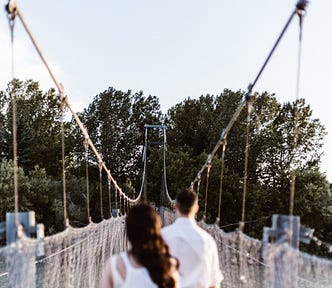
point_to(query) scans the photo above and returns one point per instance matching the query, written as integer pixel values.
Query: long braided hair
(148, 247)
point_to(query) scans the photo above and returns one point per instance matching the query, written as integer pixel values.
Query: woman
(148, 262)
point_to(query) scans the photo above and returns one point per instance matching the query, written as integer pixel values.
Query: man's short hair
(185, 200)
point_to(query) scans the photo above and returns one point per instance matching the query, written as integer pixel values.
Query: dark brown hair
(148, 247)
(185, 200)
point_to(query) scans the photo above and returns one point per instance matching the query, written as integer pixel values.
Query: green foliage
(7, 188)
(314, 202)
(195, 126)
(115, 121)
(31, 190)
(38, 127)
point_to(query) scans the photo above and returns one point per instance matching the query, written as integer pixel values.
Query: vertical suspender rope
(63, 160)
(128, 207)
(246, 156)
(145, 165)
(221, 180)
(116, 199)
(198, 186)
(207, 187)
(169, 199)
(11, 19)
(249, 100)
(109, 196)
(101, 190)
(86, 153)
(120, 204)
(124, 206)
(300, 12)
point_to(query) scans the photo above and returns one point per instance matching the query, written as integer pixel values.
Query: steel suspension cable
(301, 4)
(12, 7)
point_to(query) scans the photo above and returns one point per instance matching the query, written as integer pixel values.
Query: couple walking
(179, 255)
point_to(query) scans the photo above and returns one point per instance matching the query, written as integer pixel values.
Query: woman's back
(127, 274)
(148, 263)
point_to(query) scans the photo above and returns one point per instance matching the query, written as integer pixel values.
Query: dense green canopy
(115, 121)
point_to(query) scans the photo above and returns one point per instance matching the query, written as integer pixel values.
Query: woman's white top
(135, 276)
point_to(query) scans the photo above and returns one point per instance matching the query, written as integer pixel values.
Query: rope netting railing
(72, 258)
(251, 263)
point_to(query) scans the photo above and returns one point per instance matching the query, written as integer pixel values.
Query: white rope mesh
(247, 262)
(73, 258)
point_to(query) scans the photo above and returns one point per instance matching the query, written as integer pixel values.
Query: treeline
(115, 121)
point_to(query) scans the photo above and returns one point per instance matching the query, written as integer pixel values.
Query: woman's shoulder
(114, 272)
(120, 265)
(117, 269)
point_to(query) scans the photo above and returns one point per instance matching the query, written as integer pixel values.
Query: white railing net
(75, 258)
(72, 258)
(248, 262)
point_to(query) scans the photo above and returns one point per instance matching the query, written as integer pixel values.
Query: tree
(7, 188)
(277, 157)
(32, 190)
(196, 125)
(115, 121)
(38, 126)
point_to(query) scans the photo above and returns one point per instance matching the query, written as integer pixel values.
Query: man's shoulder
(169, 228)
(207, 237)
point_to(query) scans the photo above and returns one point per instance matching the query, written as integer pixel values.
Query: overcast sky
(174, 49)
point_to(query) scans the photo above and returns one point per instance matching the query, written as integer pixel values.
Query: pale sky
(174, 49)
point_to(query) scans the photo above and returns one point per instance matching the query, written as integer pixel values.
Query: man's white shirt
(196, 251)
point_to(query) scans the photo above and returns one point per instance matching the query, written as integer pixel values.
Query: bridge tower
(147, 144)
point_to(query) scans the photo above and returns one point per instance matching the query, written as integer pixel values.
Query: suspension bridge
(75, 256)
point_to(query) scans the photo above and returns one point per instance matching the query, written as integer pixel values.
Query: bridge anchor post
(284, 233)
(21, 252)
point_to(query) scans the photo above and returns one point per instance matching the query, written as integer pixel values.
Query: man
(195, 249)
